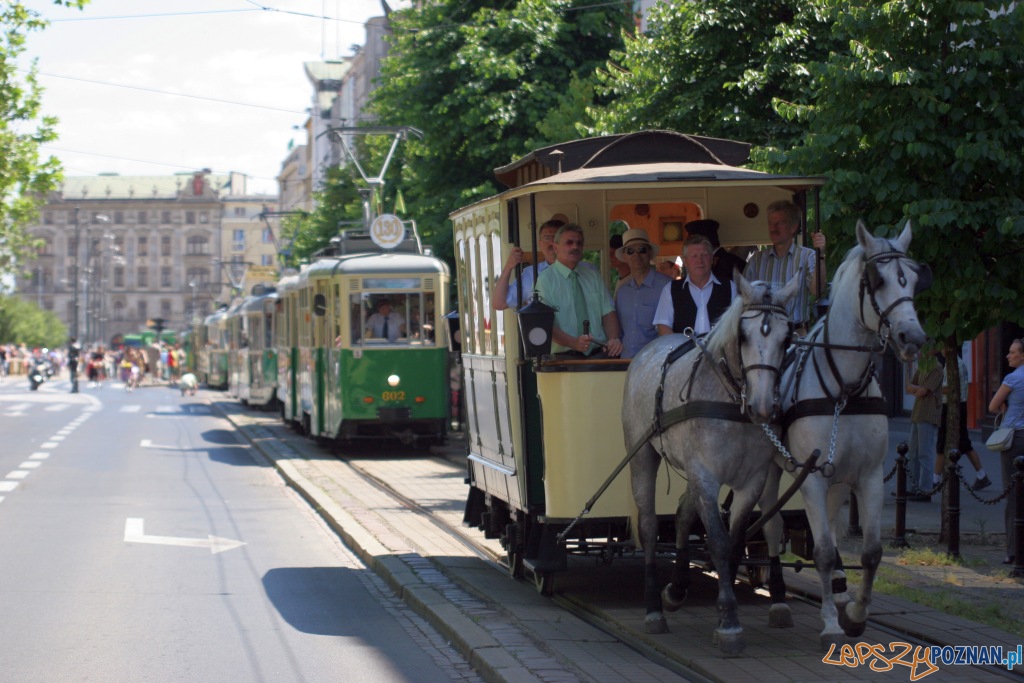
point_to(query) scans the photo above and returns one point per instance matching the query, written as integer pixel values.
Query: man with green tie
(586, 321)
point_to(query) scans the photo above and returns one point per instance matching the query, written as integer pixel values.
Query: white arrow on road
(146, 443)
(134, 532)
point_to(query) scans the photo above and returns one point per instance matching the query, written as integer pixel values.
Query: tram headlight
(394, 380)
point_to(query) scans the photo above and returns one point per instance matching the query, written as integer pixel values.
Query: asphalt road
(140, 540)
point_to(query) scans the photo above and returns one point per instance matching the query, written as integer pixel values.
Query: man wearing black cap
(723, 261)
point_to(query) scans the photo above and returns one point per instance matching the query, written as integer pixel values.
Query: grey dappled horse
(829, 392)
(728, 389)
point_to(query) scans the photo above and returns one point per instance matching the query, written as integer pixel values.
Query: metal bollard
(953, 498)
(900, 538)
(1018, 518)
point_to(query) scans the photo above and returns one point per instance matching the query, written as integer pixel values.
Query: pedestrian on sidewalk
(924, 386)
(964, 444)
(1009, 401)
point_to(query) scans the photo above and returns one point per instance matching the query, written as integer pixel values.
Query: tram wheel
(544, 582)
(514, 548)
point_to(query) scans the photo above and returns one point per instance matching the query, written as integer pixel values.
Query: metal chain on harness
(792, 464)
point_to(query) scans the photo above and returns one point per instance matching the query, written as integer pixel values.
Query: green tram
(252, 353)
(212, 343)
(353, 381)
(286, 338)
(545, 432)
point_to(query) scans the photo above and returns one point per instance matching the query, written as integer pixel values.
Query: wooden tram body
(252, 355)
(544, 436)
(346, 384)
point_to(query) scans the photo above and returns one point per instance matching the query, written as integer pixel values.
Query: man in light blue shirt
(580, 296)
(638, 293)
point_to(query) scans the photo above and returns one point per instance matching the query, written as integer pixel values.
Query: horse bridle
(866, 285)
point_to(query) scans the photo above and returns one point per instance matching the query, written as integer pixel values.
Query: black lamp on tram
(536, 321)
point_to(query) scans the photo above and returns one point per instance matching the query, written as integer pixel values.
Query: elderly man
(637, 297)
(581, 298)
(780, 263)
(698, 300)
(723, 262)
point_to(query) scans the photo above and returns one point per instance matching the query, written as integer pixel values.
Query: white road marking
(8, 486)
(57, 437)
(18, 474)
(57, 407)
(17, 407)
(39, 456)
(146, 443)
(134, 532)
(130, 409)
(49, 444)
(30, 464)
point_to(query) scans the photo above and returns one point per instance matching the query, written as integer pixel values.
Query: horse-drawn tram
(545, 433)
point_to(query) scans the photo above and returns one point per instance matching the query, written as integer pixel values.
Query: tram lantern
(536, 320)
(452, 321)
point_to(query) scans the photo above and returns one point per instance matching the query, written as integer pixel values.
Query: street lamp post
(74, 296)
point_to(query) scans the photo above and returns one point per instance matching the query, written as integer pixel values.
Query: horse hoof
(841, 600)
(672, 598)
(729, 642)
(655, 623)
(780, 616)
(853, 629)
(827, 640)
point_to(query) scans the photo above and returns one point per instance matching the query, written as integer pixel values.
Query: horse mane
(725, 329)
(849, 268)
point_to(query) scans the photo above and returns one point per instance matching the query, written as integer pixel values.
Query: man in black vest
(723, 261)
(698, 300)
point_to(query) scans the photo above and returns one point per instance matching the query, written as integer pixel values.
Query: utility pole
(74, 296)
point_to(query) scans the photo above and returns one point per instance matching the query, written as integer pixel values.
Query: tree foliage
(921, 117)
(25, 177)
(22, 322)
(486, 82)
(714, 69)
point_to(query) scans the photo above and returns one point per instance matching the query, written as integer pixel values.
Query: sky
(232, 89)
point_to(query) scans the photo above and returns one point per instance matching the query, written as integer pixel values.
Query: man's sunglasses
(638, 250)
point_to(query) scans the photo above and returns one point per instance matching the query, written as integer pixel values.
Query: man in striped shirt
(778, 264)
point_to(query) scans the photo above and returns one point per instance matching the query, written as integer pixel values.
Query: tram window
(268, 331)
(409, 318)
(499, 320)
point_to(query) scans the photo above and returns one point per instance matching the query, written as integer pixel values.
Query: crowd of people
(158, 361)
(649, 301)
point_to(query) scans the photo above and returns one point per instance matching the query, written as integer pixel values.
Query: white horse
(832, 402)
(698, 412)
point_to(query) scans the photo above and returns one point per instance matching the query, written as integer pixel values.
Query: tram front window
(392, 318)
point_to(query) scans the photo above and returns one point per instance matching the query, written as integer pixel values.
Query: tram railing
(951, 482)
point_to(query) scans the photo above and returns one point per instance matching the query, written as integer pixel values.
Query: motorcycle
(37, 374)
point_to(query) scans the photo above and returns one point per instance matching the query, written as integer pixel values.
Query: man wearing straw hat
(637, 296)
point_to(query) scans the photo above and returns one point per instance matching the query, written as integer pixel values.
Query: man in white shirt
(698, 300)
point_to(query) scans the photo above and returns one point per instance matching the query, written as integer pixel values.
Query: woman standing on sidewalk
(1009, 400)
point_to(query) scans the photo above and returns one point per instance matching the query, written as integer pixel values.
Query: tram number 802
(393, 396)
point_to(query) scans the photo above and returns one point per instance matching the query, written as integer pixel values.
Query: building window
(142, 310)
(268, 236)
(118, 310)
(143, 246)
(204, 217)
(165, 216)
(165, 245)
(118, 217)
(240, 211)
(267, 260)
(72, 247)
(197, 245)
(119, 244)
(142, 279)
(238, 240)
(47, 218)
(46, 248)
(190, 217)
(200, 276)
(165, 276)
(119, 276)
(140, 217)
(165, 309)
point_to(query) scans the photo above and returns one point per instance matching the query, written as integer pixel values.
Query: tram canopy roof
(643, 157)
(677, 172)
